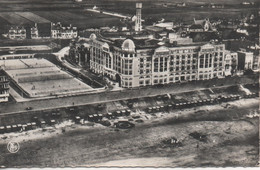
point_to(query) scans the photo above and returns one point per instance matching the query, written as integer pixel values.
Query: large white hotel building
(135, 63)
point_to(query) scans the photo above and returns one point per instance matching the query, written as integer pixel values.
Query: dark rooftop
(196, 26)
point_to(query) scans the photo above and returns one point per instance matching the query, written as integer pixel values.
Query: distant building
(166, 25)
(4, 87)
(245, 60)
(201, 26)
(231, 63)
(41, 30)
(242, 31)
(181, 4)
(135, 63)
(17, 33)
(60, 32)
(7, 56)
(34, 32)
(212, 5)
(178, 39)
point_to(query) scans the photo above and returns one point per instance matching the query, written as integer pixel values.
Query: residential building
(61, 32)
(34, 32)
(17, 33)
(4, 87)
(135, 63)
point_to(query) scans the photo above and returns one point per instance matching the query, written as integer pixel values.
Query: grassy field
(21, 12)
(79, 18)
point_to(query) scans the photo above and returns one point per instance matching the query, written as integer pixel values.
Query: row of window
(171, 79)
(3, 91)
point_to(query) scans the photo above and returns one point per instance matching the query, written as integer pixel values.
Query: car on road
(28, 108)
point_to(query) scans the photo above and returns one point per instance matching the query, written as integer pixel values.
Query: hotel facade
(134, 66)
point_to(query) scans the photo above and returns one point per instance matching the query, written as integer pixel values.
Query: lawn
(14, 19)
(79, 18)
(32, 17)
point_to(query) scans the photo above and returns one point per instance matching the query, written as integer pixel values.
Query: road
(65, 51)
(110, 13)
(121, 95)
